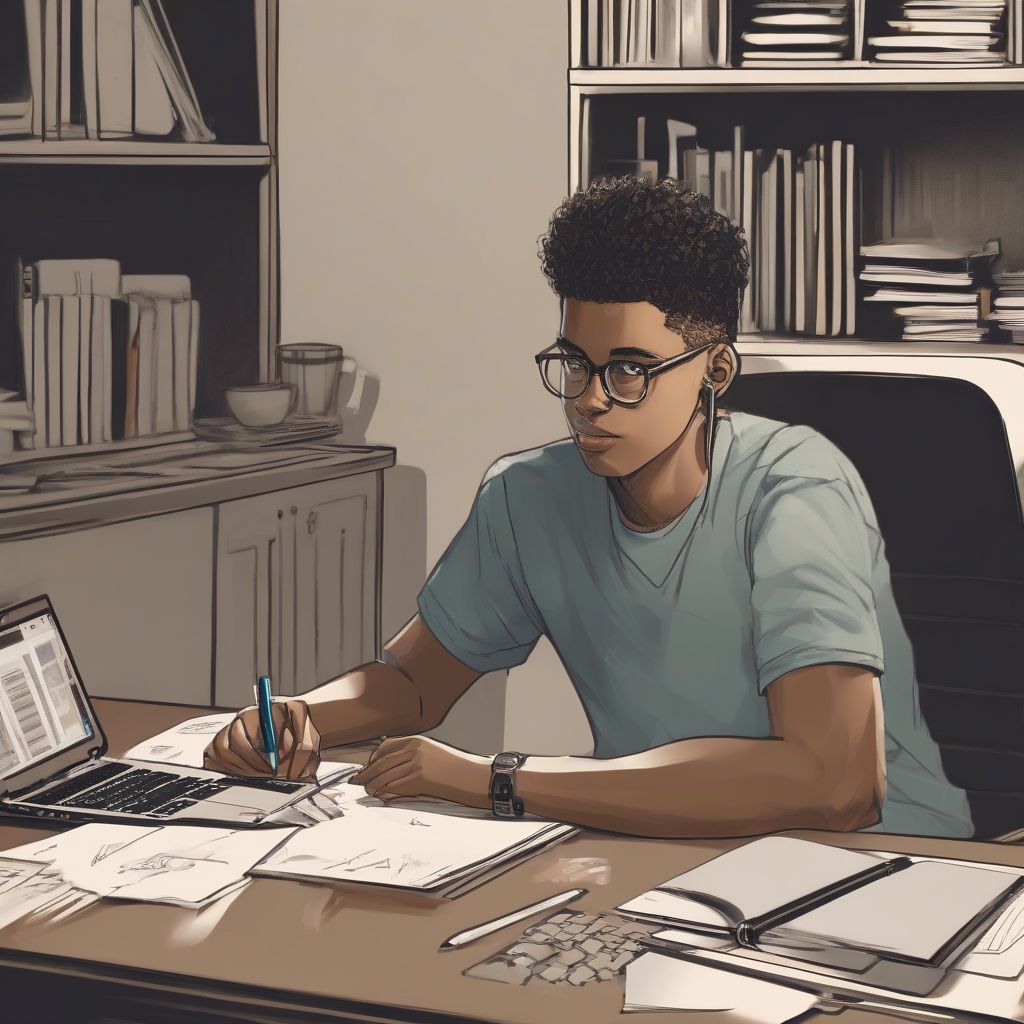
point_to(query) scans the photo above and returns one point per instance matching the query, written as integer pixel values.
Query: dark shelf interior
(945, 162)
(199, 221)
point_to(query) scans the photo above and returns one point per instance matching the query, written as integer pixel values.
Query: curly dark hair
(623, 239)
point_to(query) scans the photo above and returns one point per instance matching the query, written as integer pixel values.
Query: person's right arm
(410, 691)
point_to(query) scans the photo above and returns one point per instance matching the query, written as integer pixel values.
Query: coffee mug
(314, 369)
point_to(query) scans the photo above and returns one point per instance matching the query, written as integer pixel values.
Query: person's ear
(722, 368)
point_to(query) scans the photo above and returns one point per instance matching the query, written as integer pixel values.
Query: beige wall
(423, 147)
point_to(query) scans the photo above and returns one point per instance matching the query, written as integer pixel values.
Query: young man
(715, 585)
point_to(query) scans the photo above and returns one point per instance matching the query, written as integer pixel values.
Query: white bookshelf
(961, 174)
(212, 206)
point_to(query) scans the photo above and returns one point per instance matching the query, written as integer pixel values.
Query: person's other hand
(409, 766)
(238, 748)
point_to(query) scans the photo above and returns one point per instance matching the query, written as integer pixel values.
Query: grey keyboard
(569, 948)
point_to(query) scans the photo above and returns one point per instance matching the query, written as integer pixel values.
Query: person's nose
(595, 399)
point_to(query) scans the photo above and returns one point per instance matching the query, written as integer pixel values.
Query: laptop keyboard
(121, 787)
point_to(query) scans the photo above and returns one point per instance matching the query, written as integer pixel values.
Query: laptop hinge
(57, 776)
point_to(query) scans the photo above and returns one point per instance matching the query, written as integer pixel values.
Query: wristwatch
(504, 802)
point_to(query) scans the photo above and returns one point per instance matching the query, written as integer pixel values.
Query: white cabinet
(135, 600)
(296, 586)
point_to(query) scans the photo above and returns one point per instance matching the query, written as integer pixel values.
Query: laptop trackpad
(243, 803)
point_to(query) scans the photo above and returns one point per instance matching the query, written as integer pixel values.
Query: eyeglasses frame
(650, 371)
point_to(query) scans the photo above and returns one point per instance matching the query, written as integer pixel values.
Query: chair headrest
(932, 452)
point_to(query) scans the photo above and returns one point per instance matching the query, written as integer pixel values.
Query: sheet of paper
(184, 744)
(397, 844)
(181, 864)
(657, 982)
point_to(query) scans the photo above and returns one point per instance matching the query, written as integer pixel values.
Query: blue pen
(263, 699)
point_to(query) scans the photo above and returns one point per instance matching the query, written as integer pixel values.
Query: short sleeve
(813, 601)
(476, 601)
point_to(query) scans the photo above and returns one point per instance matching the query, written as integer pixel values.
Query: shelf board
(850, 76)
(91, 151)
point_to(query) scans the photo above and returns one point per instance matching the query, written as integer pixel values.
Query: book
(786, 175)
(154, 111)
(53, 343)
(838, 229)
(85, 382)
(172, 69)
(51, 23)
(823, 236)
(34, 52)
(748, 317)
(799, 248)
(68, 356)
(114, 73)
(835, 904)
(852, 218)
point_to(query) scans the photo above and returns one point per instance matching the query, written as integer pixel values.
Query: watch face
(501, 787)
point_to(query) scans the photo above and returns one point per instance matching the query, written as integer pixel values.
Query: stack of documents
(938, 286)
(185, 865)
(1008, 311)
(419, 844)
(795, 32)
(944, 32)
(414, 844)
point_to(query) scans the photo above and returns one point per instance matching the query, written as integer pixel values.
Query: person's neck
(662, 489)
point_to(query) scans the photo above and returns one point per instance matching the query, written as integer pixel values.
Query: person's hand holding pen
(238, 749)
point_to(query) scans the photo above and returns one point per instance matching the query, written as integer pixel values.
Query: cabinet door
(135, 600)
(336, 582)
(255, 628)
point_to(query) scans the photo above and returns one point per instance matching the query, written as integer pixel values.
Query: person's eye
(629, 369)
(575, 366)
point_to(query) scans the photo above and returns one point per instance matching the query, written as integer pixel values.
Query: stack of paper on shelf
(428, 845)
(1008, 311)
(105, 69)
(938, 286)
(944, 32)
(656, 33)
(796, 33)
(163, 352)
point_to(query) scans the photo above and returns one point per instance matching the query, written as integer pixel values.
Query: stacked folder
(944, 32)
(800, 31)
(1008, 311)
(938, 286)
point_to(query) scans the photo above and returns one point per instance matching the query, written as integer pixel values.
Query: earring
(707, 390)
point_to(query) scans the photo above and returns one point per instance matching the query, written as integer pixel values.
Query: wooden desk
(292, 951)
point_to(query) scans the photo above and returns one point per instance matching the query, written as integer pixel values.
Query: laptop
(52, 748)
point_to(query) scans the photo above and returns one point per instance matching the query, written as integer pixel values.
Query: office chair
(933, 454)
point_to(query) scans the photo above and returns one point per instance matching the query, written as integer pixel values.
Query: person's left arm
(822, 768)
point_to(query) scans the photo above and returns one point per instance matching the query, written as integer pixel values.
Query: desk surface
(352, 952)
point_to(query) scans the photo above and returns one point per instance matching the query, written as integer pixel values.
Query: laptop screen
(43, 708)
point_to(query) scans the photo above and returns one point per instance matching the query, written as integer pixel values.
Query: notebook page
(911, 913)
(768, 873)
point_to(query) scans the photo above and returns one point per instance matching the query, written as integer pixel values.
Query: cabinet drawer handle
(294, 509)
(311, 521)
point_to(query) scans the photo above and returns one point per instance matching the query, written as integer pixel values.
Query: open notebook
(845, 907)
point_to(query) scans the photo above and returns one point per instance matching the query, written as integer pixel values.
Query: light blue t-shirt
(677, 633)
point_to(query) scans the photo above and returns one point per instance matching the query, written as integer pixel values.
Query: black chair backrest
(933, 454)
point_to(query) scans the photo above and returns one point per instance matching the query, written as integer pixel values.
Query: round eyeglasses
(568, 375)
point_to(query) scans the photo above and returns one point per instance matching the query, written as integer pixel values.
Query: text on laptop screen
(42, 709)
